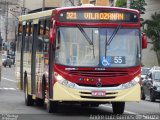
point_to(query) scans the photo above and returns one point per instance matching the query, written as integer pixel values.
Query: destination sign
(97, 16)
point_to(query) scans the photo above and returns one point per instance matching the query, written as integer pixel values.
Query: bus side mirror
(52, 32)
(144, 41)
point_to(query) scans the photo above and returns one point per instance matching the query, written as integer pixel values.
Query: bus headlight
(130, 83)
(63, 81)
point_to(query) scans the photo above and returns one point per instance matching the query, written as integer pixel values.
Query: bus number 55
(118, 60)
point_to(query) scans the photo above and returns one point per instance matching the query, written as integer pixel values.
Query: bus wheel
(143, 97)
(28, 98)
(52, 106)
(118, 107)
(152, 97)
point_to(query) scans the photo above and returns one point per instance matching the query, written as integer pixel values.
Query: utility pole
(6, 26)
(128, 3)
(43, 5)
(23, 8)
(0, 49)
(0, 35)
(0, 29)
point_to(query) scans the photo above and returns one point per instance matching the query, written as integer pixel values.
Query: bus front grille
(94, 85)
(93, 73)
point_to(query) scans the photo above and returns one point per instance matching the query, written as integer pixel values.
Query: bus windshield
(72, 48)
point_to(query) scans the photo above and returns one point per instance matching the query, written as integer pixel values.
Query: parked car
(6, 61)
(12, 57)
(144, 72)
(155, 68)
(151, 86)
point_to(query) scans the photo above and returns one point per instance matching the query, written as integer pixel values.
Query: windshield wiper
(90, 41)
(106, 45)
(93, 44)
(85, 34)
(113, 35)
(111, 38)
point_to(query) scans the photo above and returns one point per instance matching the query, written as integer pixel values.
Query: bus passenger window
(45, 37)
(39, 27)
(40, 45)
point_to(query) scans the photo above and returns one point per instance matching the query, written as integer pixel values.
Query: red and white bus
(85, 55)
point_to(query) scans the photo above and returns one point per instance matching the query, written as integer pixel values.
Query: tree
(121, 3)
(138, 5)
(153, 32)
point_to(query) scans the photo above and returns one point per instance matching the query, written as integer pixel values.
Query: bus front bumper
(63, 93)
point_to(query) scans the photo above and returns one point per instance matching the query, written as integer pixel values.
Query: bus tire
(28, 98)
(143, 97)
(152, 96)
(52, 106)
(118, 107)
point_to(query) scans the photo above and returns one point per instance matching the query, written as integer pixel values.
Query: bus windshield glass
(73, 49)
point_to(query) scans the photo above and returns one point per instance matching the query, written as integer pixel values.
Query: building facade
(149, 57)
(8, 20)
(62, 3)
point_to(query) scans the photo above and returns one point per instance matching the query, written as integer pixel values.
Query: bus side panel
(39, 65)
(33, 63)
(27, 59)
(19, 58)
(42, 57)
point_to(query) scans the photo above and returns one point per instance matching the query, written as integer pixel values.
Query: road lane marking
(128, 112)
(4, 88)
(8, 79)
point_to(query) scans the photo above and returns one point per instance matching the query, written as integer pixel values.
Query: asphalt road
(12, 106)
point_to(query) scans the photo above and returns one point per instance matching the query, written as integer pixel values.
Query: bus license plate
(98, 93)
